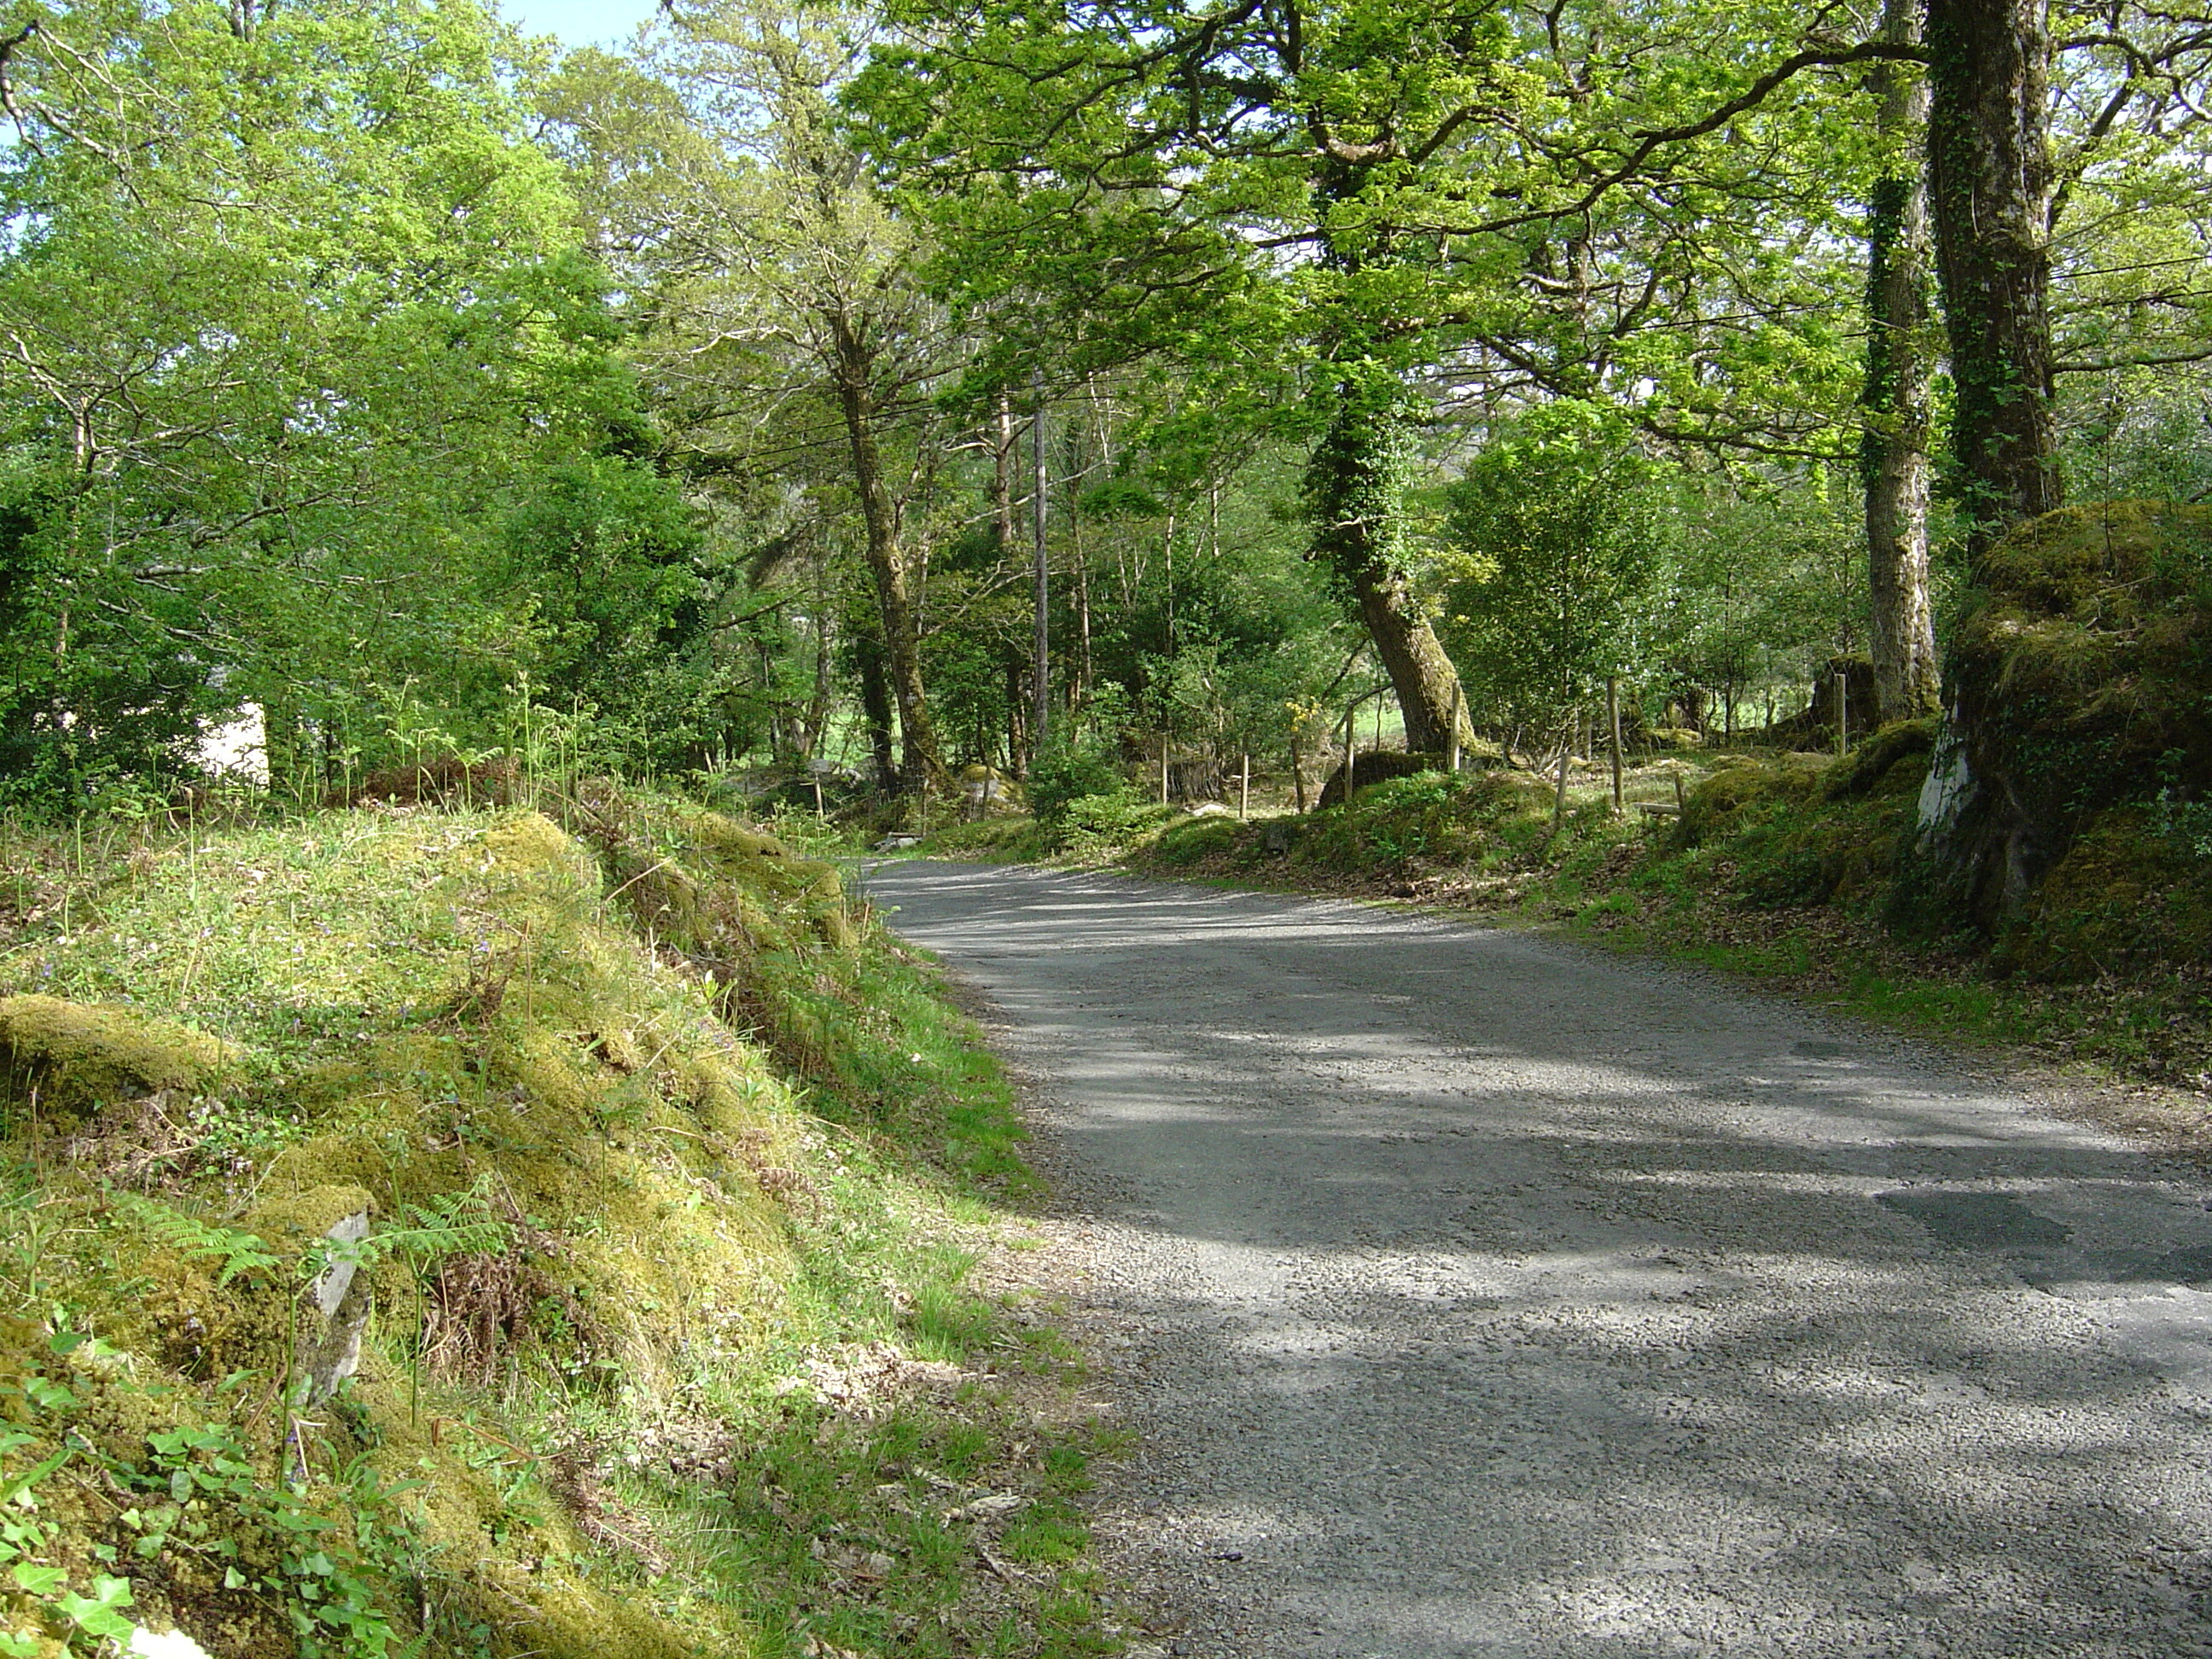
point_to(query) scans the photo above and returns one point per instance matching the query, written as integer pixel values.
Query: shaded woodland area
(1127, 395)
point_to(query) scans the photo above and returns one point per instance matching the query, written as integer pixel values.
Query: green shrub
(1092, 826)
(1067, 773)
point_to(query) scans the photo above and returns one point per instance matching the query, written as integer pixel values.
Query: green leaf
(96, 1615)
(48, 1396)
(22, 1484)
(37, 1580)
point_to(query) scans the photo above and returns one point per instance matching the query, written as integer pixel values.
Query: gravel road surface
(1492, 1296)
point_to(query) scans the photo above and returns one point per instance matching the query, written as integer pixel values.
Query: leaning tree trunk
(1990, 186)
(1896, 405)
(1353, 490)
(921, 768)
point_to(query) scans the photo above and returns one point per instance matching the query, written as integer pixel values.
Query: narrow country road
(1501, 1298)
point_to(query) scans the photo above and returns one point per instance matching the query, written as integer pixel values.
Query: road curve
(1505, 1299)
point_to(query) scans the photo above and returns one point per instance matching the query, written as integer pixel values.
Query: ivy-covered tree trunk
(1989, 175)
(1354, 486)
(1896, 405)
(1990, 186)
(919, 766)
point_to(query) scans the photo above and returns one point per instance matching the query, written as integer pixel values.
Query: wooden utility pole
(1041, 685)
(1613, 723)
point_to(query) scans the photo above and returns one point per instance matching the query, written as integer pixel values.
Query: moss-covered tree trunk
(1897, 405)
(919, 766)
(1355, 484)
(1990, 187)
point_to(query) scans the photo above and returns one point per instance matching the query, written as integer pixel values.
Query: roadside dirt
(1472, 1293)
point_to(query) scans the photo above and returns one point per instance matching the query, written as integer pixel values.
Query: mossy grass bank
(546, 1228)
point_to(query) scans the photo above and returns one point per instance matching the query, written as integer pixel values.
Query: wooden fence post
(1613, 721)
(1566, 753)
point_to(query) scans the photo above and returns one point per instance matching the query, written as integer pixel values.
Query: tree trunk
(1355, 489)
(876, 707)
(1896, 405)
(1041, 720)
(1990, 186)
(1989, 175)
(1353, 493)
(921, 768)
(1612, 726)
(1082, 677)
(818, 709)
(1002, 478)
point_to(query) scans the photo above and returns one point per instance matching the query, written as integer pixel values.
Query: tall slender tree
(1898, 404)
(770, 271)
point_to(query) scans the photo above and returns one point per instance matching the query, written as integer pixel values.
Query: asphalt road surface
(1498, 1297)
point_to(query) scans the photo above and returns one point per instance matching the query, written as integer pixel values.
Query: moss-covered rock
(1719, 802)
(1871, 764)
(77, 1056)
(1373, 766)
(2082, 679)
(2126, 896)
